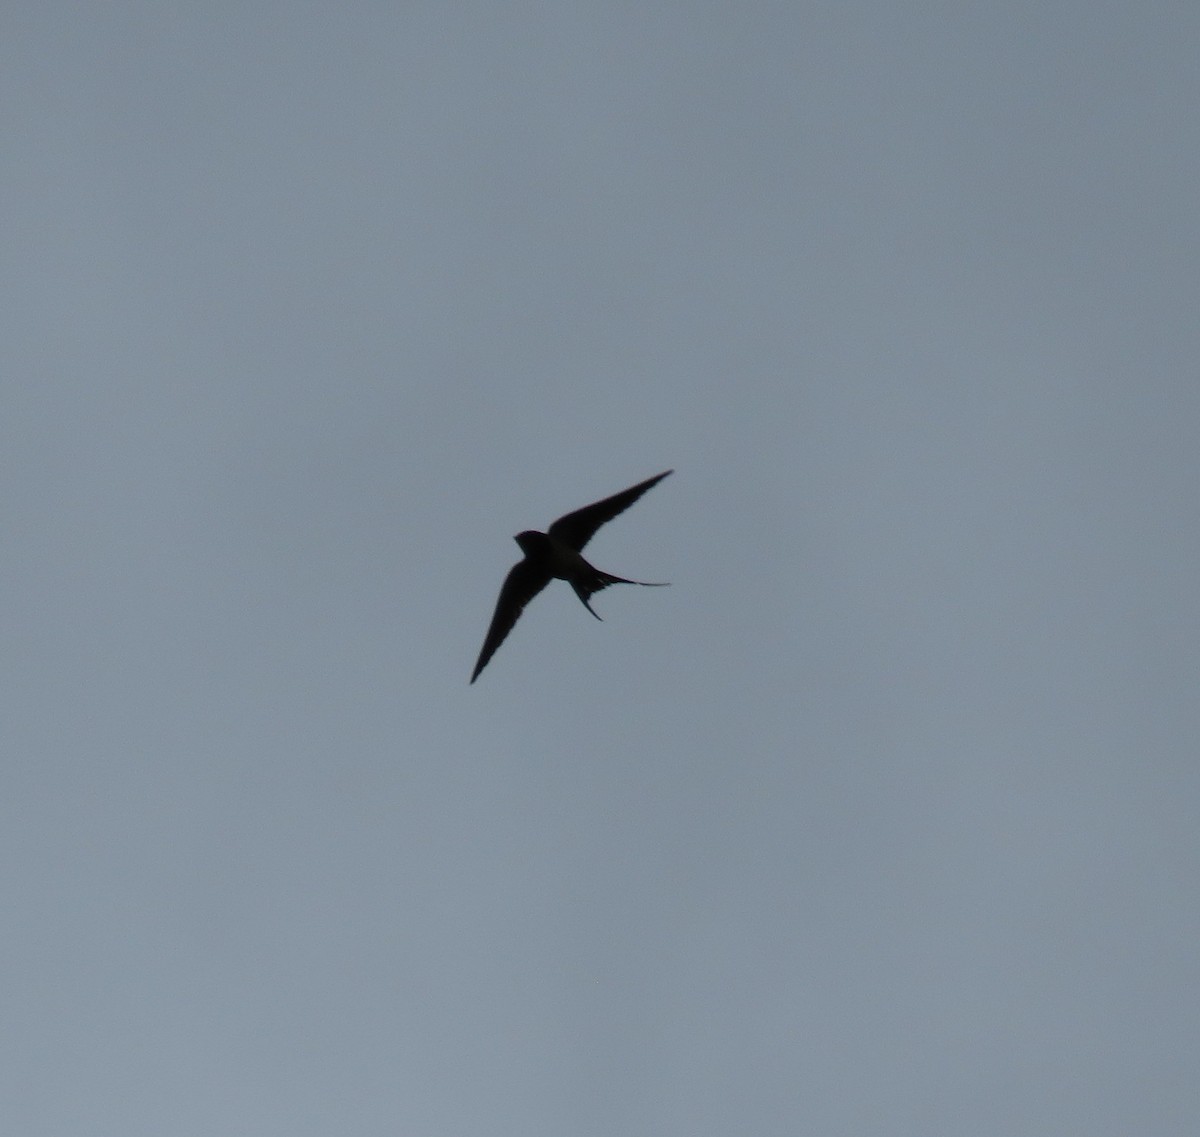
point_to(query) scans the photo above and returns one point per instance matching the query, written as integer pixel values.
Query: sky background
(881, 820)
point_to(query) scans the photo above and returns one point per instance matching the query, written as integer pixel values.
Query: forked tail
(644, 583)
(603, 579)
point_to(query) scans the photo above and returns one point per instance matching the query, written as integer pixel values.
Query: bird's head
(532, 542)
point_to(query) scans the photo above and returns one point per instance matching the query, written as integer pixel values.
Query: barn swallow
(557, 553)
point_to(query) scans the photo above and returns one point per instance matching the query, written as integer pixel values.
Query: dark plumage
(556, 553)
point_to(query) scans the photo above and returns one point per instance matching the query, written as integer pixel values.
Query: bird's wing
(522, 584)
(577, 529)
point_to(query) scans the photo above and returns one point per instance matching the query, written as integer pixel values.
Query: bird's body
(557, 554)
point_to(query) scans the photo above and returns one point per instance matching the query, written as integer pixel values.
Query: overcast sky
(881, 820)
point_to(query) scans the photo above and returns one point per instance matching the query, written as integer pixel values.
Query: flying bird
(557, 553)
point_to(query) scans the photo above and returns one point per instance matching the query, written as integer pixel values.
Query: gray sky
(882, 820)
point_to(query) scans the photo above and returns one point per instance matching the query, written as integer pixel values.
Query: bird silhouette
(558, 553)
